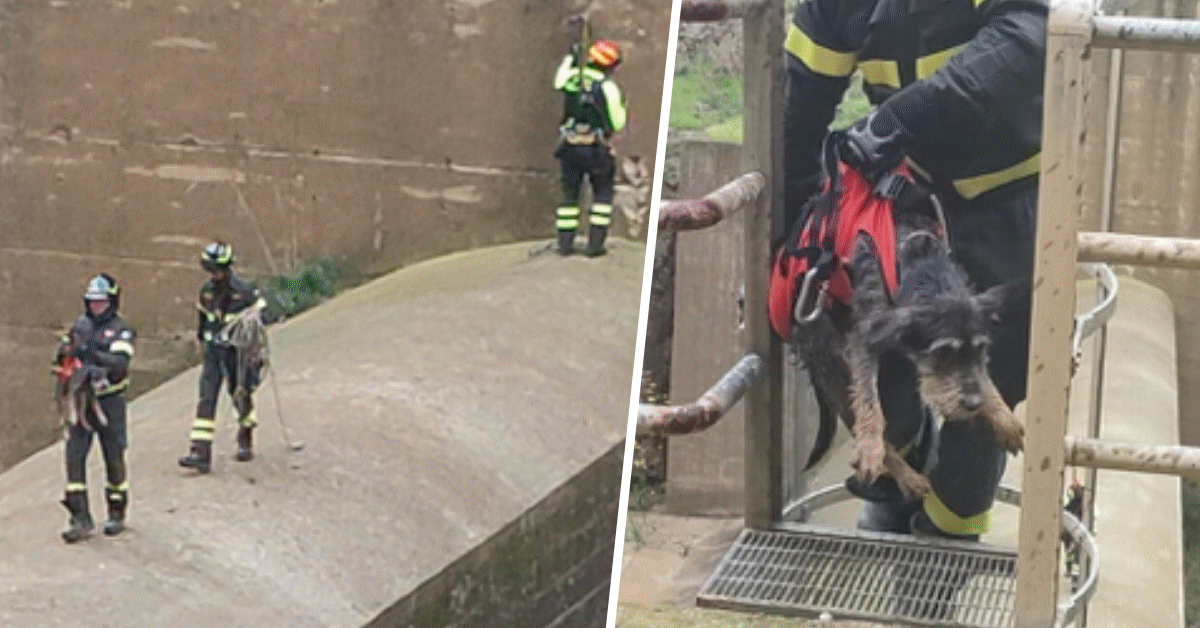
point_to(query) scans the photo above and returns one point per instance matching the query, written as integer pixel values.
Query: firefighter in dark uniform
(103, 344)
(957, 86)
(593, 110)
(222, 298)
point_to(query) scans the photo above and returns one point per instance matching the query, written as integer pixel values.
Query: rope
(248, 336)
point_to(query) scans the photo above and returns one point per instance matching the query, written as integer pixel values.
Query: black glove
(83, 352)
(875, 144)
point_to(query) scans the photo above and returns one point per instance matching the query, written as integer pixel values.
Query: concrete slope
(436, 403)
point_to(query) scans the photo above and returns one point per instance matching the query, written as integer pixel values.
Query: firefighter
(957, 89)
(223, 297)
(101, 343)
(593, 111)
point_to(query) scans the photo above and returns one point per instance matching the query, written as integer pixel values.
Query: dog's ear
(1006, 298)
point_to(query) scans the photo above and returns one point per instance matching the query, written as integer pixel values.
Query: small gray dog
(936, 322)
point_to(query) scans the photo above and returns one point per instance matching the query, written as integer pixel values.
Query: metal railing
(1074, 29)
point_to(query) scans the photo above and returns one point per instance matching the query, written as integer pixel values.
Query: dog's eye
(944, 348)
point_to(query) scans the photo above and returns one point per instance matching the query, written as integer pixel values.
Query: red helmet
(604, 54)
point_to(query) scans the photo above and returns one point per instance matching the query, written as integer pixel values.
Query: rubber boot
(595, 246)
(245, 444)
(80, 525)
(117, 501)
(199, 457)
(566, 242)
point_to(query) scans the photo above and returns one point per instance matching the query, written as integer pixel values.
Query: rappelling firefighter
(224, 297)
(93, 359)
(593, 111)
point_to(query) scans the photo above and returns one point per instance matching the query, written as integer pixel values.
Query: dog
(76, 383)
(935, 321)
(631, 195)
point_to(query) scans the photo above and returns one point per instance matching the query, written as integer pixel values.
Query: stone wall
(378, 132)
(549, 568)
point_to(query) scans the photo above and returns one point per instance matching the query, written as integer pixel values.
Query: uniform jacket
(963, 77)
(221, 302)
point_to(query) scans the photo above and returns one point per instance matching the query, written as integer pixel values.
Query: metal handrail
(705, 411)
(701, 213)
(1146, 33)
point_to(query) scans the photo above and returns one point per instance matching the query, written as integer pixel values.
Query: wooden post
(1059, 199)
(763, 30)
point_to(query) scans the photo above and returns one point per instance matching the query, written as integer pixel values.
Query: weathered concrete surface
(437, 404)
(381, 132)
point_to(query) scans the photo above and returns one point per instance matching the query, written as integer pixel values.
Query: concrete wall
(378, 131)
(549, 567)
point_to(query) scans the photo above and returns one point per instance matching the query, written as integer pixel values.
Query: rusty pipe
(716, 10)
(705, 212)
(705, 411)
(1124, 248)
(1099, 454)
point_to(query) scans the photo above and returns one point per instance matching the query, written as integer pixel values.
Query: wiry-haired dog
(936, 321)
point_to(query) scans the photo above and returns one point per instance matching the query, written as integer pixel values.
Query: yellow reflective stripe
(816, 57)
(207, 314)
(601, 209)
(121, 346)
(123, 487)
(974, 186)
(114, 388)
(566, 224)
(200, 435)
(930, 63)
(600, 220)
(76, 487)
(259, 304)
(567, 211)
(617, 113)
(204, 424)
(979, 2)
(881, 72)
(250, 420)
(947, 521)
(567, 70)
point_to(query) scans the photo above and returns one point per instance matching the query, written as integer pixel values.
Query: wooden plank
(763, 29)
(1061, 195)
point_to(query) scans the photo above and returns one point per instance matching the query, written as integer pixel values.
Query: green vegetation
(312, 283)
(708, 100)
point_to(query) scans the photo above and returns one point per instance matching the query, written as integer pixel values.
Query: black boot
(199, 457)
(566, 242)
(595, 246)
(245, 444)
(80, 526)
(116, 512)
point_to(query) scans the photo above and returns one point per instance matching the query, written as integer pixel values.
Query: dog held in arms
(76, 383)
(934, 320)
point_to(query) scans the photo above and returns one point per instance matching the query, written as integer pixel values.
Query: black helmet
(216, 256)
(102, 287)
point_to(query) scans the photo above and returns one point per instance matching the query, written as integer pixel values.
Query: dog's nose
(972, 403)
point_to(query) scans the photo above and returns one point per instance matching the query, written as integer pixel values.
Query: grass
(312, 283)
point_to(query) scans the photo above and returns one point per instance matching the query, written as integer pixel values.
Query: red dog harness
(809, 270)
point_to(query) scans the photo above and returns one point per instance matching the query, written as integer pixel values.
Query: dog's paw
(914, 485)
(1010, 434)
(868, 459)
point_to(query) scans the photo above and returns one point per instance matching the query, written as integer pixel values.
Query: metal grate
(806, 570)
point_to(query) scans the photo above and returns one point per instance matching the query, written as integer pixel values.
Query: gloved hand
(875, 144)
(576, 50)
(82, 352)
